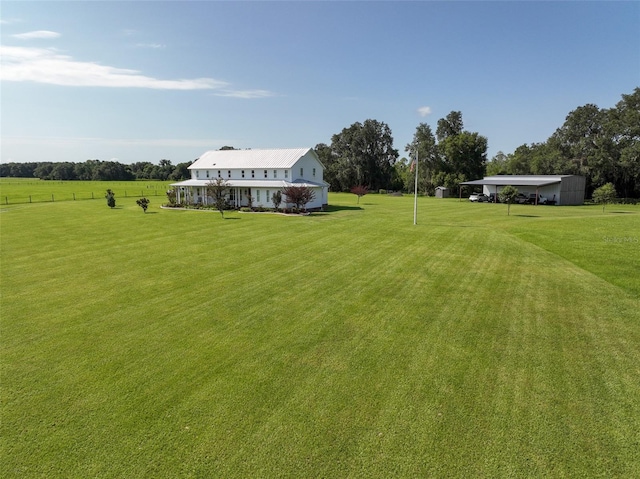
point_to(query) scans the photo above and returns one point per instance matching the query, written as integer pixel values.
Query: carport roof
(523, 180)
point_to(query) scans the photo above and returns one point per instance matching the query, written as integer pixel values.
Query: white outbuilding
(255, 175)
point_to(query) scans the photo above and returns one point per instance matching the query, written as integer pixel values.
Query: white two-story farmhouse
(255, 174)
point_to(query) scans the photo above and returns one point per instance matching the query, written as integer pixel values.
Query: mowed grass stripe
(350, 344)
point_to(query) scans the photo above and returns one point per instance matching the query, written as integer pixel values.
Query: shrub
(111, 199)
(143, 203)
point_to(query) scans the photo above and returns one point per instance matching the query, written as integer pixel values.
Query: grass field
(33, 190)
(349, 343)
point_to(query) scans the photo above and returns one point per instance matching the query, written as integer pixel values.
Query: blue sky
(145, 80)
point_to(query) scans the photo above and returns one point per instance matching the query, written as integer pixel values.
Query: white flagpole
(415, 194)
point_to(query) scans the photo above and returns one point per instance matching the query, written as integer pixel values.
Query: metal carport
(513, 181)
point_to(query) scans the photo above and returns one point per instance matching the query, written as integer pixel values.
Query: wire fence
(64, 196)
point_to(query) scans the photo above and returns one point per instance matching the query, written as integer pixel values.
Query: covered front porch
(244, 193)
(237, 197)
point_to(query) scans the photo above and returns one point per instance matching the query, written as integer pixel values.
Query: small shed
(442, 192)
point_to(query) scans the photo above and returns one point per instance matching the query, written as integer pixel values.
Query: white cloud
(245, 93)
(43, 65)
(9, 21)
(46, 65)
(424, 111)
(36, 34)
(149, 45)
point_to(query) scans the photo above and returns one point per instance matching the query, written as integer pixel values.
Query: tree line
(363, 155)
(601, 144)
(96, 170)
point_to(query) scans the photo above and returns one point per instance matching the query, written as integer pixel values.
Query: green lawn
(33, 190)
(349, 343)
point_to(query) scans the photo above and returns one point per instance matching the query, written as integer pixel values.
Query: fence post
(6, 200)
(92, 196)
(52, 200)
(30, 199)
(74, 196)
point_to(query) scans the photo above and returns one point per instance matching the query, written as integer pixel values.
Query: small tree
(508, 195)
(143, 203)
(359, 191)
(276, 198)
(605, 194)
(218, 190)
(299, 196)
(111, 199)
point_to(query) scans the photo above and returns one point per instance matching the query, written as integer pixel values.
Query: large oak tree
(361, 154)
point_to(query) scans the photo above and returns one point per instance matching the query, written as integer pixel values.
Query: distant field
(32, 190)
(348, 343)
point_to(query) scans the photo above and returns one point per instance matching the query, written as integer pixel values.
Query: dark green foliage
(97, 170)
(143, 203)
(425, 148)
(111, 199)
(457, 156)
(451, 125)
(362, 154)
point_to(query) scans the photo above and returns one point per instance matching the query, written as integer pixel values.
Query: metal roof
(518, 180)
(510, 182)
(249, 159)
(254, 183)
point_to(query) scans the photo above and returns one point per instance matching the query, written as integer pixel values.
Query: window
(207, 173)
(258, 196)
(253, 173)
(314, 172)
(267, 197)
(286, 173)
(243, 173)
(218, 173)
(232, 194)
(228, 173)
(301, 172)
(197, 173)
(275, 173)
(265, 173)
